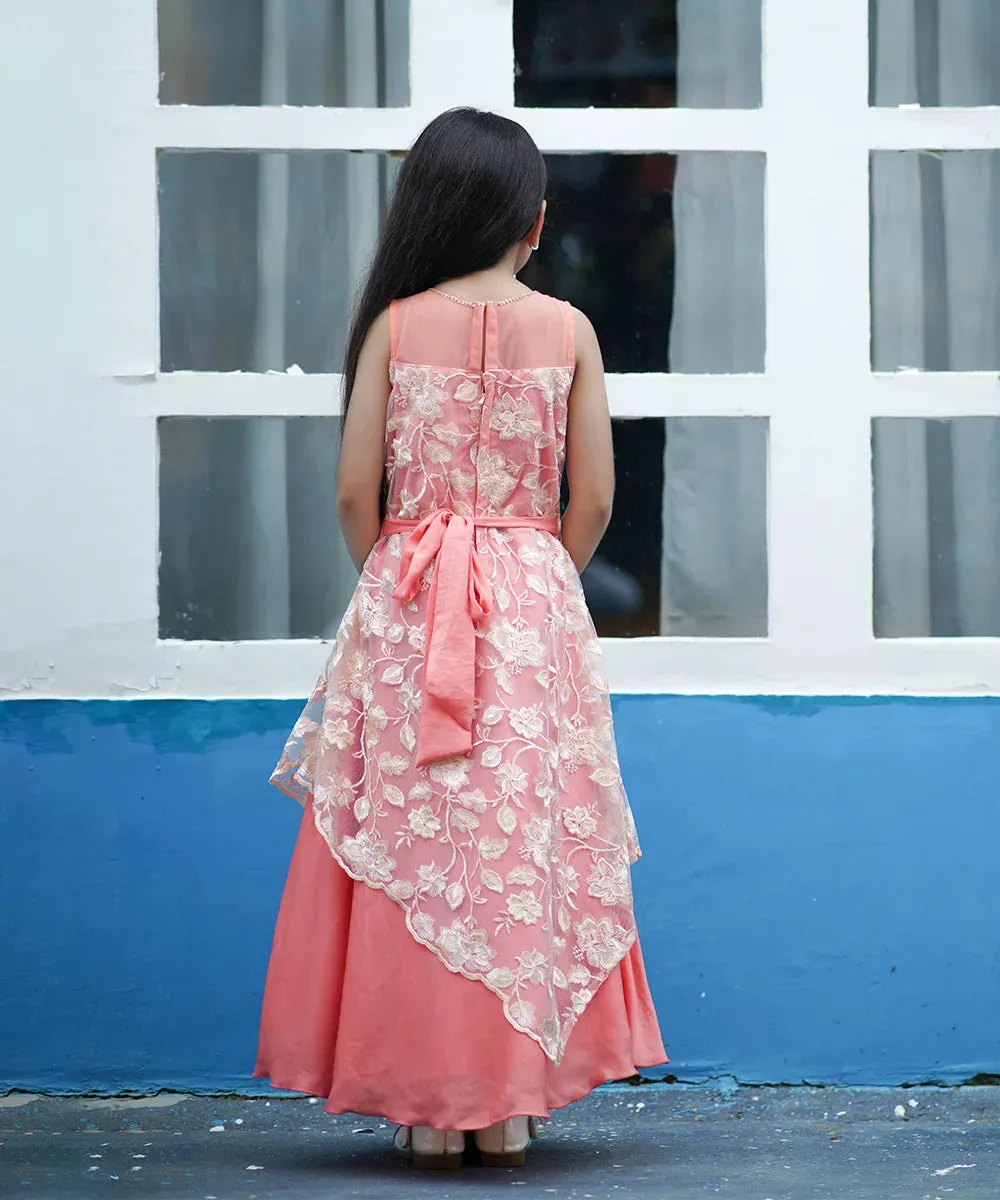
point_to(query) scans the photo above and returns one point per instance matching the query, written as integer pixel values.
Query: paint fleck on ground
(674, 1142)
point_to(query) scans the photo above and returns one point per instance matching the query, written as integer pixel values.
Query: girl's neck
(495, 283)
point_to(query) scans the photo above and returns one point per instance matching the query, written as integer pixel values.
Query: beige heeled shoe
(430, 1149)
(505, 1144)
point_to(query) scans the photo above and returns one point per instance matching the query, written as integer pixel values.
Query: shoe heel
(507, 1158)
(437, 1149)
(504, 1144)
(437, 1162)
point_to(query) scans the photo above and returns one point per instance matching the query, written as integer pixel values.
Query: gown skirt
(441, 1051)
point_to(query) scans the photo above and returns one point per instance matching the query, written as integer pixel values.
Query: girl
(456, 948)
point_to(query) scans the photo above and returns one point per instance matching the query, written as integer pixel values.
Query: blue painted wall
(818, 900)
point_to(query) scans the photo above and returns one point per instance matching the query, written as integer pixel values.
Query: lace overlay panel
(510, 863)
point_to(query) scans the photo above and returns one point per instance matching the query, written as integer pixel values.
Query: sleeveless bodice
(477, 412)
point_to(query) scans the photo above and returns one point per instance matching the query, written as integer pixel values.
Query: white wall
(77, 461)
(78, 346)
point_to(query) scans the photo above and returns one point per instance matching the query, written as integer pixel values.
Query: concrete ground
(657, 1140)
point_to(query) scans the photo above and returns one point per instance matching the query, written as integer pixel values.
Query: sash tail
(460, 599)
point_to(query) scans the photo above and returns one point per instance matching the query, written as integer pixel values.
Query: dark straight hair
(468, 190)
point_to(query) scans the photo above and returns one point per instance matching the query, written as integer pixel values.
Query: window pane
(250, 545)
(637, 53)
(249, 540)
(686, 550)
(664, 253)
(937, 527)
(945, 52)
(260, 255)
(299, 52)
(936, 260)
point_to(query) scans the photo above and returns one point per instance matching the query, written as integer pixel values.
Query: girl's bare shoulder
(585, 336)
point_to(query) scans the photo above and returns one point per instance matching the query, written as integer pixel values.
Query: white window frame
(818, 391)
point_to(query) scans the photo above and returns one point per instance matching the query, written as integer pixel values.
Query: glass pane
(934, 52)
(250, 547)
(664, 253)
(299, 52)
(937, 527)
(936, 260)
(686, 550)
(260, 255)
(249, 540)
(637, 53)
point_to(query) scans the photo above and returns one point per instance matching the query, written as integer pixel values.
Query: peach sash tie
(460, 599)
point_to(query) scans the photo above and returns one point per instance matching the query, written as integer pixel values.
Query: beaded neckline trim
(480, 303)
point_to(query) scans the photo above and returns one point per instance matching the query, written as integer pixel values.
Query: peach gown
(456, 942)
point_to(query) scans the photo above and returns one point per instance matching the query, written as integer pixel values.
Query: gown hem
(415, 1117)
(568, 1025)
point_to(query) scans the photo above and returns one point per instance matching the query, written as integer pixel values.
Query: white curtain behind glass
(278, 571)
(714, 567)
(936, 307)
(295, 188)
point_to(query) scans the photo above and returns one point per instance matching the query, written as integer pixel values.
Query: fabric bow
(460, 598)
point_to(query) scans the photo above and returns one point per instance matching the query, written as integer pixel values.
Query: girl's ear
(536, 229)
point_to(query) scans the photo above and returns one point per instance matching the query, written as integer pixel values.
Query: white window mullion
(240, 394)
(644, 130)
(278, 393)
(911, 394)
(656, 395)
(556, 130)
(912, 128)
(815, 92)
(179, 127)
(935, 394)
(819, 530)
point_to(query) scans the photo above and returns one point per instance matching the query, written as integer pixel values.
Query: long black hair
(468, 190)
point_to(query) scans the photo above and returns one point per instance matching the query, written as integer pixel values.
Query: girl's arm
(361, 465)
(590, 461)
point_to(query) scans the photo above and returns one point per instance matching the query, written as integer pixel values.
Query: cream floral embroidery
(512, 863)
